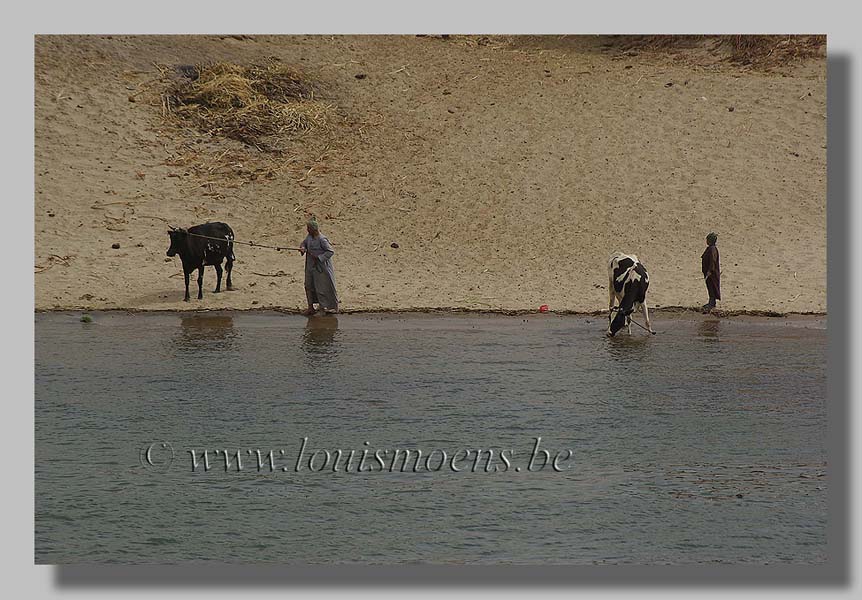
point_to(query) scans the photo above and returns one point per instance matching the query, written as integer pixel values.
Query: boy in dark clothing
(711, 271)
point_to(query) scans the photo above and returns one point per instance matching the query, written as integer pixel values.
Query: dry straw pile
(767, 51)
(762, 52)
(263, 106)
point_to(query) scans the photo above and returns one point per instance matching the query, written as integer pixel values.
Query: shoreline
(663, 311)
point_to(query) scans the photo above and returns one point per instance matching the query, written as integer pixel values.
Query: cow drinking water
(201, 246)
(628, 282)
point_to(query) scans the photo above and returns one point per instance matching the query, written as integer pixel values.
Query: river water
(704, 443)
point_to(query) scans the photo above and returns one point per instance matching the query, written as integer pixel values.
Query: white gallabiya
(628, 282)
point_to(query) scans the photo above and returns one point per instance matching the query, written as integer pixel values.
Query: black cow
(628, 282)
(201, 246)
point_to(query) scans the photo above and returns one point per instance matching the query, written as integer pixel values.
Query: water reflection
(206, 331)
(627, 347)
(708, 328)
(319, 335)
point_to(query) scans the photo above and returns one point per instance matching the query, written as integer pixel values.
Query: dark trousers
(712, 291)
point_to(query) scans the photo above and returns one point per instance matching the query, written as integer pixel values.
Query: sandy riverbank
(506, 170)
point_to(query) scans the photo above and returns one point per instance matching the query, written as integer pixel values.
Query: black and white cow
(201, 246)
(628, 282)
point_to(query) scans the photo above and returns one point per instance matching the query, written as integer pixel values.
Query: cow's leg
(186, 273)
(629, 324)
(646, 317)
(229, 267)
(610, 294)
(218, 279)
(200, 282)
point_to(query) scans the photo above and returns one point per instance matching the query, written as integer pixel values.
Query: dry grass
(262, 106)
(768, 51)
(763, 52)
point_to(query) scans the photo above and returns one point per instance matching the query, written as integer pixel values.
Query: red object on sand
(544, 308)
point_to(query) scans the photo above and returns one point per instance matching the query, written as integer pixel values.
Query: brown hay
(762, 52)
(263, 106)
(768, 51)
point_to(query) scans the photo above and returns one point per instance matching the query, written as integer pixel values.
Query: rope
(209, 237)
(253, 244)
(641, 326)
(617, 309)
